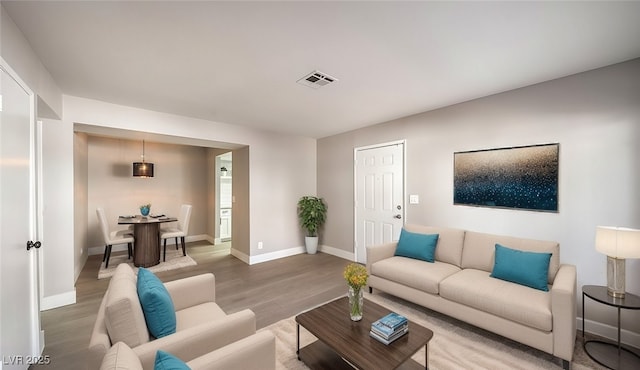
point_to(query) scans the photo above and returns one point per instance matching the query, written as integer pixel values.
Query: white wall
(595, 116)
(17, 52)
(58, 222)
(81, 196)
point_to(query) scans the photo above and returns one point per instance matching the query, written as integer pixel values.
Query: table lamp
(617, 243)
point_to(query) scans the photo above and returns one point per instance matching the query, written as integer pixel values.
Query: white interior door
(379, 194)
(19, 298)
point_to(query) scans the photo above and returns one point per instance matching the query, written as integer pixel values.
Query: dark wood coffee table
(342, 342)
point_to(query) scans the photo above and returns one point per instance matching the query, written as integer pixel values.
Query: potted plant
(312, 212)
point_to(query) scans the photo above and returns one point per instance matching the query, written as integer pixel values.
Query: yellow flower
(356, 275)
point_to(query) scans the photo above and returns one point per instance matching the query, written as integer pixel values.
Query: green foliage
(312, 212)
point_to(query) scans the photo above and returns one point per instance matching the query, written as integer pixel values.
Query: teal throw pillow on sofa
(159, 312)
(418, 246)
(167, 361)
(525, 268)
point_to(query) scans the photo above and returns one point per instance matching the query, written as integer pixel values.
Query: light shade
(618, 242)
(142, 169)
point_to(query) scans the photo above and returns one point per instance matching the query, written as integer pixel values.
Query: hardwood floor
(273, 290)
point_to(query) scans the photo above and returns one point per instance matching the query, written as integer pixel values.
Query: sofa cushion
(414, 273)
(526, 268)
(167, 361)
(476, 289)
(120, 357)
(196, 315)
(157, 305)
(450, 241)
(479, 250)
(124, 318)
(416, 245)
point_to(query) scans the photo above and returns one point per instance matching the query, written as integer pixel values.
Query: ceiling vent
(316, 79)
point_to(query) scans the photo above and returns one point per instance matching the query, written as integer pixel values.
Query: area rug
(454, 345)
(175, 260)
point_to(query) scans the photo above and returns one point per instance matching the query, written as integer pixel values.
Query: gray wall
(595, 116)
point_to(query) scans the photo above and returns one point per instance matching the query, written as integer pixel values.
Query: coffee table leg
(426, 356)
(298, 340)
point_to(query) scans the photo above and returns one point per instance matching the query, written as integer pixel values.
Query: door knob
(398, 216)
(31, 244)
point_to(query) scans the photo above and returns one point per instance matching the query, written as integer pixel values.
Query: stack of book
(389, 328)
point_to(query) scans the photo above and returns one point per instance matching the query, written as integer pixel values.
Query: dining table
(146, 232)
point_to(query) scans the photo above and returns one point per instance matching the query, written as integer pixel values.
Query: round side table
(609, 354)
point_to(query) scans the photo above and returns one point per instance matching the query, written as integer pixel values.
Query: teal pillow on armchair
(159, 312)
(167, 361)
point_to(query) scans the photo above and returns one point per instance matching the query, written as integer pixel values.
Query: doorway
(379, 194)
(20, 335)
(224, 196)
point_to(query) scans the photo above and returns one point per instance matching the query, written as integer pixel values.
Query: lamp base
(615, 277)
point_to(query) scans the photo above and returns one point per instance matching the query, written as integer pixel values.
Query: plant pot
(311, 243)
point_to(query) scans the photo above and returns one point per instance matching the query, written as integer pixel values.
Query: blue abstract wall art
(523, 177)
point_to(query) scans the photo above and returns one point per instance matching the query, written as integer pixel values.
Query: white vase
(311, 243)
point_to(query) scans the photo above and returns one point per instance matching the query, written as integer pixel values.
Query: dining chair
(113, 237)
(178, 232)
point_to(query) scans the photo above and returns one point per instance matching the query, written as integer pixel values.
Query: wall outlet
(414, 199)
(259, 245)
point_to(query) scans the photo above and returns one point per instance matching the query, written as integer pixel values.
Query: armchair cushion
(159, 312)
(167, 361)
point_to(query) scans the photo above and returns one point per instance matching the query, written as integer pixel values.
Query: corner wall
(595, 116)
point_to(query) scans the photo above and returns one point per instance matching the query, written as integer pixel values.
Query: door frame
(402, 142)
(35, 210)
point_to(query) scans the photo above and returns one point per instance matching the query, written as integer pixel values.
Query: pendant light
(142, 169)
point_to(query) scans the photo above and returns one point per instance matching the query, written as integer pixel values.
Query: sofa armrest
(192, 291)
(256, 352)
(196, 341)
(99, 343)
(563, 310)
(379, 252)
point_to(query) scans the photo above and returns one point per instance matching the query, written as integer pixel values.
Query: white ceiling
(238, 62)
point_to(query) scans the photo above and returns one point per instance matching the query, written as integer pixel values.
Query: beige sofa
(203, 330)
(458, 284)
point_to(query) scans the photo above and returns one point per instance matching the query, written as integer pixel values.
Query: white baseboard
(58, 300)
(275, 255)
(609, 332)
(251, 260)
(239, 255)
(41, 343)
(337, 252)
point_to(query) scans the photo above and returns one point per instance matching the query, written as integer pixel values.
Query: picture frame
(521, 177)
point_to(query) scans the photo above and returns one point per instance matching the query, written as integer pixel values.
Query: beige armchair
(202, 327)
(255, 352)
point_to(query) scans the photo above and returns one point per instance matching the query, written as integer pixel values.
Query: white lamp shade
(618, 242)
